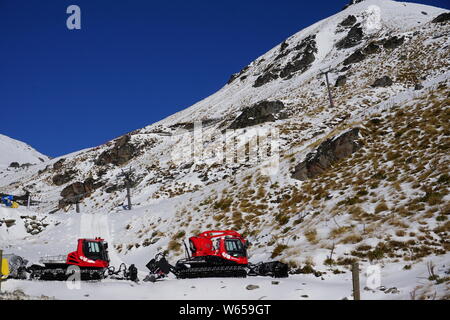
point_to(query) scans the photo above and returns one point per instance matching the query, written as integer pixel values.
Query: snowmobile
(214, 254)
(92, 260)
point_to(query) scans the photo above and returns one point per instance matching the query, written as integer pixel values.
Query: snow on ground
(161, 210)
(296, 287)
(61, 239)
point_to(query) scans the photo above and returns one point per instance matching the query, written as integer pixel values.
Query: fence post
(29, 201)
(355, 278)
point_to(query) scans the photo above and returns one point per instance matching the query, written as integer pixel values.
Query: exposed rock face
(264, 111)
(121, 153)
(327, 154)
(444, 17)
(355, 57)
(341, 80)
(303, 60)
(349, 21)
(63, 178)
(58, 164)
(265, 78)
(78, 189)
(393, 42)
(237, 75)
(383, 82)
(371, 48)
(300, 63)
(354, 37)
(14, 165)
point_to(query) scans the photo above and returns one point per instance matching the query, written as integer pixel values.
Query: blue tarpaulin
(7, 200)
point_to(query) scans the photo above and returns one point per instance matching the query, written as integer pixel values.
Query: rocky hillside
(366, 178)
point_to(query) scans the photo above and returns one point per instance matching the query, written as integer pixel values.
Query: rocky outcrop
(371, 48)
(14, 165)
(341, 81)
(393, 42)
(237, 75)
(382, 82)
(301, 62)
(349, 21)
(355, 57)
(58, 164)
(78, 190)
(265, 78)
(264, 111)
(122, 152)
(444, 17)
(353, 37)
(327, 154)
(63, 178)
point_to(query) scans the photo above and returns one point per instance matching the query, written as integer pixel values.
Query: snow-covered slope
(385, 203)
(12, 150)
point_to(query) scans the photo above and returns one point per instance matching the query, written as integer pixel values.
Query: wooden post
(128, 195)
(29, 201)
(330, 97)
(355, 278)
(77, 204)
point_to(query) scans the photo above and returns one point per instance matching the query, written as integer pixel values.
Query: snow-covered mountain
(17, 151)
(366, 178)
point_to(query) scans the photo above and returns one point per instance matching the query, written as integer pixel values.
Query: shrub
(382, 206)
(179, 235)
(444, 179)
(174, 245)
(311, 236)
(278, 250)
(354, 238)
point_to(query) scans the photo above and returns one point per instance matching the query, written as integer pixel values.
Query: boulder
(264, 111)
(252, 287)
(382, 82)
(341, 80)
(327, 154)
(14, 165)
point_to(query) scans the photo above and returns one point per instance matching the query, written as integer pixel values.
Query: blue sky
(133, 62)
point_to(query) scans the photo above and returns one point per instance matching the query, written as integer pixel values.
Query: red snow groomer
(215, 254)
(91, 258)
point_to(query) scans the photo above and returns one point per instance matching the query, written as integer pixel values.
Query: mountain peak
(352, 2)
(13, 150)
